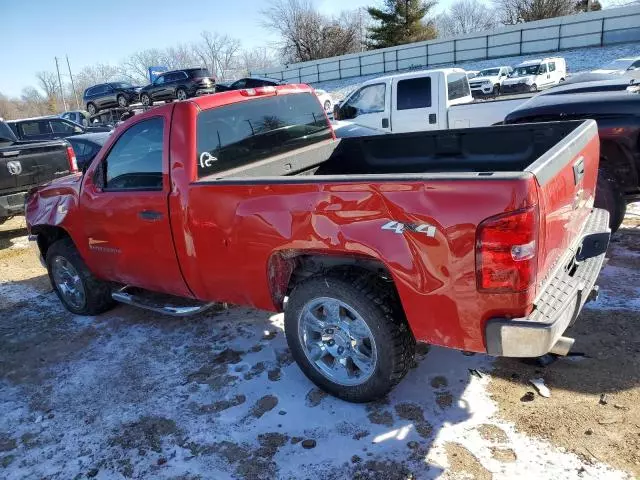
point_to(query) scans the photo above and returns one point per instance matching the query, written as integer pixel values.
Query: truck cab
(419, 101)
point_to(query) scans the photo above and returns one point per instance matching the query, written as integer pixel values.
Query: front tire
(327, 106)
(78, 290)
(348, 335)
(92, 109)
(145, 99)
(181, 94)
(533, 88)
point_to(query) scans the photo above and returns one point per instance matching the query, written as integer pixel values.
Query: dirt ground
(132, 394)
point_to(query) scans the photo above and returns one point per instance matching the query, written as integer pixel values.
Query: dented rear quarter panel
(234, 230)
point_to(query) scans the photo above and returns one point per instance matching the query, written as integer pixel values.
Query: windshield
(618, 65)
(489, 72)
(524, 71)
(122, 85)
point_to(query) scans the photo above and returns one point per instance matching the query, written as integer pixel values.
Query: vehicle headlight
(487, 82)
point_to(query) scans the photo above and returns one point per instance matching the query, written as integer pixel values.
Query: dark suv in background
(107, 95)
(178, 85)
(248, 82)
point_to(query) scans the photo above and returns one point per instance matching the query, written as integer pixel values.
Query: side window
(635, 65)
(59, 126)
(242, 83)
(552, 66)
(135, 161)
(457, 86)
(34, 129)
(66, 116)
(370, 99)
(414, 93)
(543, 68)
(160, 80)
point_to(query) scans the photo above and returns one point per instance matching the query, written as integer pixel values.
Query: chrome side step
(157, 305)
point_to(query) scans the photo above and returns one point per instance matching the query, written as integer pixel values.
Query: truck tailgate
(566, 178)
(26, 164)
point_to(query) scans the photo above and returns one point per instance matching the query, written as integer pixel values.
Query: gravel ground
(132, 394)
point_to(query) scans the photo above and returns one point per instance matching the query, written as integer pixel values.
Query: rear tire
(122, 101)
(609, 197)
(386, 342)
(327, 106)
(145, 99)
(533, 88)
(181, 94)
(78, 290)
(92, 109)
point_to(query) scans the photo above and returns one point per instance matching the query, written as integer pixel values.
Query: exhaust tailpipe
(562, 346)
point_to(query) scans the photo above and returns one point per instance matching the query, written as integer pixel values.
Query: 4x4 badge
(398, 227)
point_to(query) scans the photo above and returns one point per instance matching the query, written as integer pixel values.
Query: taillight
(507, 250)
(258, 91)
(71, 156)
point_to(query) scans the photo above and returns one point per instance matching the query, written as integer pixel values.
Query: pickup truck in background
(481, 239)
(615, 105)
(489, 81)
(420, 101)
(24, 165)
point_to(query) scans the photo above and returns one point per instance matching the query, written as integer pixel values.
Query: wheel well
(47, 235)
(287, 269)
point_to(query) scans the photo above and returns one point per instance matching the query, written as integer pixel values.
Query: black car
(248, 82)
(178, 85)
(106, 95)
(87, 146)
(49, 128)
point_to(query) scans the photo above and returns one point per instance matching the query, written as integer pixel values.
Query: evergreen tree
(399, 22)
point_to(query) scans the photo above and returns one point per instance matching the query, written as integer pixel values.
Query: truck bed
(480, 151)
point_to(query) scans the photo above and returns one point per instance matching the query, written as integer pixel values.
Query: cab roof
(413, 73)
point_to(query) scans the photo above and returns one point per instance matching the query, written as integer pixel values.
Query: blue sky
(106, 31)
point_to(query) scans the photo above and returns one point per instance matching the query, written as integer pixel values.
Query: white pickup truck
(417, 101)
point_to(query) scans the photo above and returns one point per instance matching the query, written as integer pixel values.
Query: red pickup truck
(480, 239)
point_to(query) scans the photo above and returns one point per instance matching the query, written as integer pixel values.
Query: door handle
(150, 215)
(432, 118)
(385, 123)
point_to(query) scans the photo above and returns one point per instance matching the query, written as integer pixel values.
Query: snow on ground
(578, 60)
(132, 394)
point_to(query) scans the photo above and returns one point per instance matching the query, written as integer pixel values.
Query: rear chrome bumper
(559, 304)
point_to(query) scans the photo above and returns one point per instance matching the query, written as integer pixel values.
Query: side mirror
(347, 112)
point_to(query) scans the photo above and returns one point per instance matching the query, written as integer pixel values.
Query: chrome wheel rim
(181, 95)
(122, 101)
(146, 100)
(337, 341)
(92, 109)
(327, 106)
(68, 282)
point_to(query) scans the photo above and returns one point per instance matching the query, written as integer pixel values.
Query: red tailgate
(566, 176)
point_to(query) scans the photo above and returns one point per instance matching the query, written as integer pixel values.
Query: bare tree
(48, 83)
(466, 16)
(181, 56)
(218, 53)
(257, 59)
(33, 103)
(512, 12)
(306, 34)
(136, 67)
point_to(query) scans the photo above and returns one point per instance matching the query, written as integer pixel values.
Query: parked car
(615, 105)
(24, 165)
(178, 85)
(87, 146)
(422, 100)
(325, 100)
(49, 128)
(535, 75)
(248, 82)
(472, 73)
(113, 94)
(81, 117)
(472, 239)
(489, 81)
(620, 66)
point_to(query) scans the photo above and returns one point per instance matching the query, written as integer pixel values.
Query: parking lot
(133, 394)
